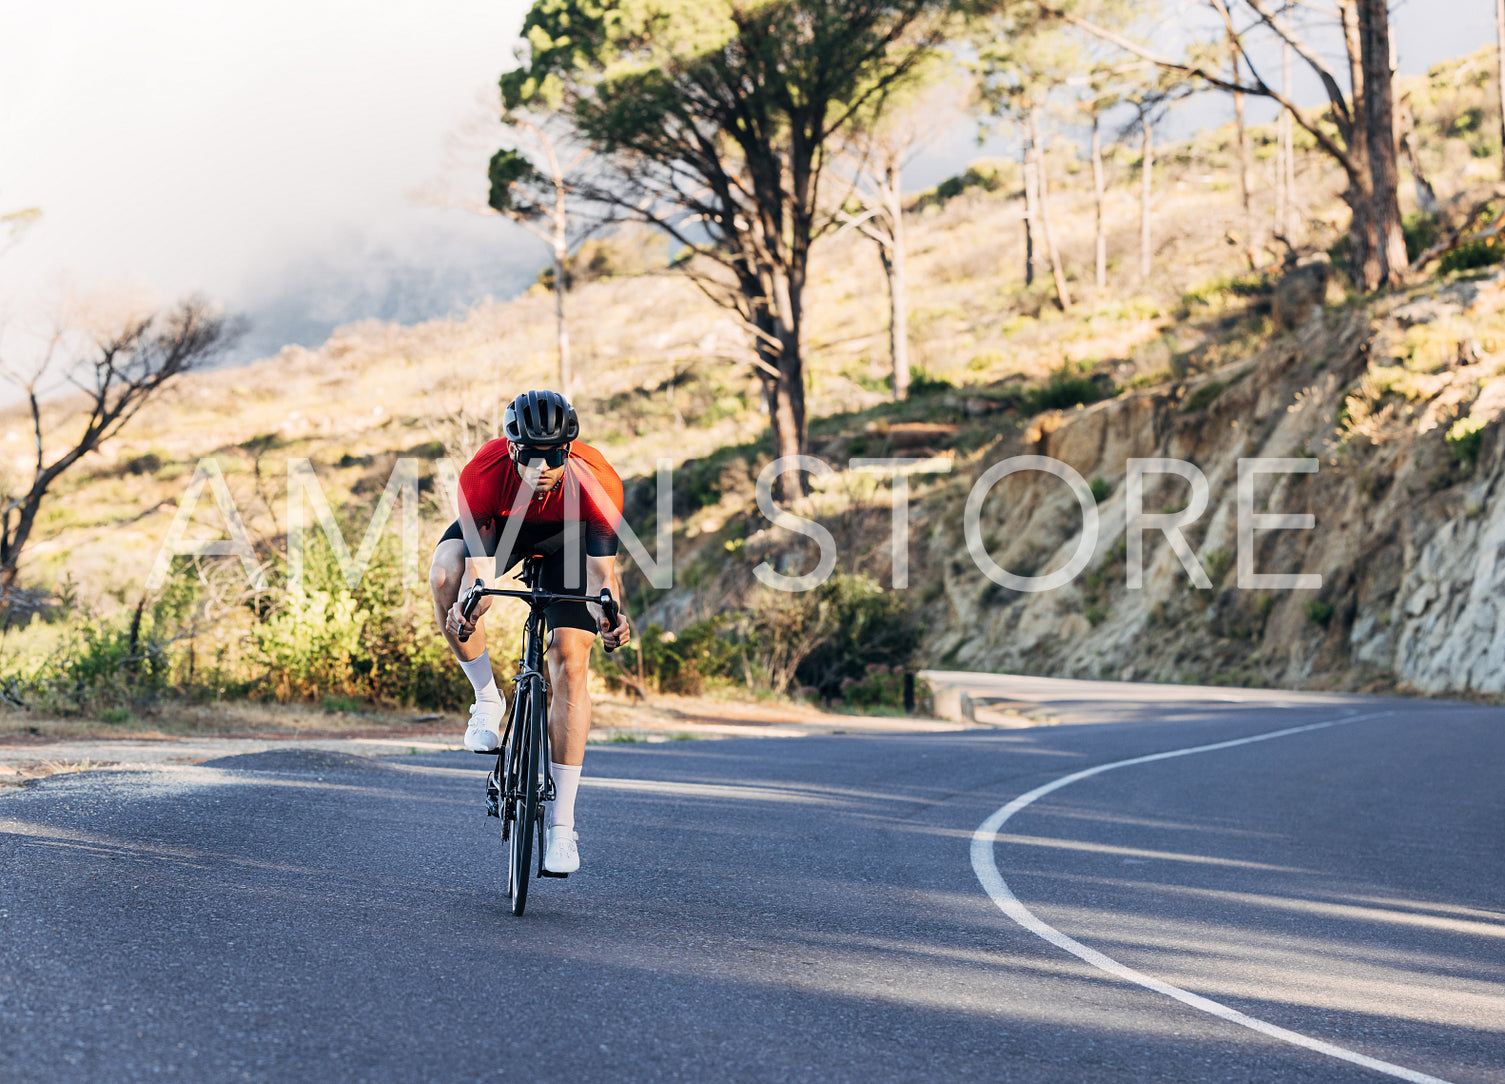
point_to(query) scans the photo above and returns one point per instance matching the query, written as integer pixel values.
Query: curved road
(791, 909)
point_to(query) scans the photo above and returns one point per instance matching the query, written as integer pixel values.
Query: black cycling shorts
(550, 543)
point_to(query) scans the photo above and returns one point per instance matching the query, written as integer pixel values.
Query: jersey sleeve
(601, 504)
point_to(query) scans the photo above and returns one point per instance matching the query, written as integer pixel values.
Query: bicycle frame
(507, 789)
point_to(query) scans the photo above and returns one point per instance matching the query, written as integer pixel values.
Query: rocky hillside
(1397, 405)
(1396, 402)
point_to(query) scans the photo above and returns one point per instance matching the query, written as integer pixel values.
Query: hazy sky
(265, 153)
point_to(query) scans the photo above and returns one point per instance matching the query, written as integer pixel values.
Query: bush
(1319, 612)
(374, 643)
(682, 662)
(1204, 396)
(862, 625)
(1464, 439)
(926, 383)
(880, 687)
(1483, 253)
(1062, 391)
(827, 641)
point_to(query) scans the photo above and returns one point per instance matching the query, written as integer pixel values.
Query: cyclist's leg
(569, 718)
(450, 571)
(448, 575)
(572, 631)
(569, 706)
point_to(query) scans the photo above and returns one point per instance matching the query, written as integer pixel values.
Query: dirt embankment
(1396, 402)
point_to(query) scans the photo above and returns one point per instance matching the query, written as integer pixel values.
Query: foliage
(1204, 396)
(684, 662)
(928, 383)
(110, 665)
(1465, 437)
(848, 624)
(1319, 612)
(986, 175)
(712, 120)
(880, 686)
(1216, 291)
(374, 643)
(1062, 391)
(1482, 253)
(845, 640)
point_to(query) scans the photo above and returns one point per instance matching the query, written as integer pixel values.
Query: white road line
(983, 841)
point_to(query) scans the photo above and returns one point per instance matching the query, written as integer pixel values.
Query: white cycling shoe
(484, 734)
(562, 855)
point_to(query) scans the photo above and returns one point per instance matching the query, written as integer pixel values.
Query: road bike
(521, 783)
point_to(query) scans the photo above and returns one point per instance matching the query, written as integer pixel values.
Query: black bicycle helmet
(540, 417)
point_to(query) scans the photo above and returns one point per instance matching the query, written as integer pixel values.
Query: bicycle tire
(526, 825)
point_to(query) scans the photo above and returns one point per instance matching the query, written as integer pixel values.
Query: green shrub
(375, 643)
(1215, 291)
(1218, 562)
(1465, 437)
(880, 686)
(827, 640)
(922, 382)
(682, 662)
(1319, 612)
(1204, 396)
(1101, 488)
(857, 625)
(1482, 253)
(1062, 391)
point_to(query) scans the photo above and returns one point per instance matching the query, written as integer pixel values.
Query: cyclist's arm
(602, 572)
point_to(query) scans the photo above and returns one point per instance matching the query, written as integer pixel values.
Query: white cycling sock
(478, 670)
(560, 813)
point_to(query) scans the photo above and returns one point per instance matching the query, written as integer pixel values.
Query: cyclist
(559, 488)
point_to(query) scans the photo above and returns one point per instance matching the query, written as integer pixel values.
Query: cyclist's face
(534, 469)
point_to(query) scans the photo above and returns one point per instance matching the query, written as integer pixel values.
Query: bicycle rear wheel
(525, 827)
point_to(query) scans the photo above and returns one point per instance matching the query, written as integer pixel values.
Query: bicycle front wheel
(527, 733)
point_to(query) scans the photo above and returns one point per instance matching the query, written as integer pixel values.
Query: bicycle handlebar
(479, 590)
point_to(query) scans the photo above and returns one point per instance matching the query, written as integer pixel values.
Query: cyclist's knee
(571, 653)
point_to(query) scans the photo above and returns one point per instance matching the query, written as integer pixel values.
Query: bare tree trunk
(1500, 71)
(1285, 215)
(1058, 274)
(786, 393)
(898, 291)
(1101, 246)
(1031, 210)
(1245, 165)
(561, 257)
(1374, 36)
(1364, 261)
(1146, 190)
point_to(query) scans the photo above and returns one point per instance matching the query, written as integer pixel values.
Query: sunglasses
(552, 456)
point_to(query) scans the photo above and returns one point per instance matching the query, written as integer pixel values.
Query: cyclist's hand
(455, 623)
(613, 637)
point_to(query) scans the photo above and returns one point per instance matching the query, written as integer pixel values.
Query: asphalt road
(785, 909)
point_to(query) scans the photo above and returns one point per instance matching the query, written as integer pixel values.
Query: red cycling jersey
(489, 486)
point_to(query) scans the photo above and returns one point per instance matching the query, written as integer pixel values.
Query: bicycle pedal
(546, 873)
